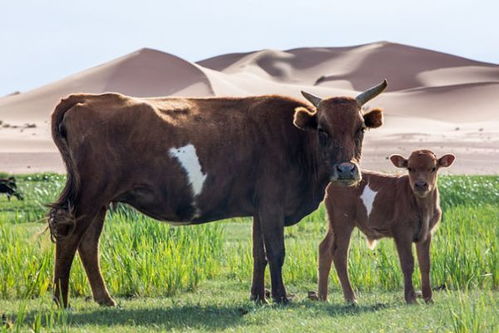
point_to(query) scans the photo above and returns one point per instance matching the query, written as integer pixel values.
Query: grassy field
(198, 278)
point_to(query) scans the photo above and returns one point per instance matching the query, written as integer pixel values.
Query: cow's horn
(370, 93)
(311, 98)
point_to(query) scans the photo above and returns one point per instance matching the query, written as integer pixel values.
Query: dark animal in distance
(405, 208)
(9, 187)
(195, 160)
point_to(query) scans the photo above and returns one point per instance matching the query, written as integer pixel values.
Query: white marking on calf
(189, 161)
(368, 196)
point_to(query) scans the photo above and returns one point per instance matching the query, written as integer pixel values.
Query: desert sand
(434, 100)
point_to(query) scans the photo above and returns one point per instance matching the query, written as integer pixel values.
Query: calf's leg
(404, 249)
(423, 252)
(89, 254)
(339, 250)
(259, 263)
(325, 261)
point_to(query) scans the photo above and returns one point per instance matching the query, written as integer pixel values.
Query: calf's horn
(312, 98)
(370, 93)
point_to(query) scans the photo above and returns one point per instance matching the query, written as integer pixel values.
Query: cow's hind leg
(259, 263)
(68, 227)
(89, 254)
(64, 254)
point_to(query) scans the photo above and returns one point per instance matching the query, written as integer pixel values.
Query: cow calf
(406, 208)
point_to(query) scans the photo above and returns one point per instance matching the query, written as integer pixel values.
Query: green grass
(197, 278)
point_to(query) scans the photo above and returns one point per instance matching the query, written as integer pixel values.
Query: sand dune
(434, 100)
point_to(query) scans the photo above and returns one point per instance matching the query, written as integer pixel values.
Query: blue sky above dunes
(42, 41)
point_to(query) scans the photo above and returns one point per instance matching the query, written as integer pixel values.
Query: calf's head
(423, 166)
(339, 124)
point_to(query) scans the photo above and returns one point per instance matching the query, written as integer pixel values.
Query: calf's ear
(374, 118)
(305, 119)
(398, 161)
(446, 160)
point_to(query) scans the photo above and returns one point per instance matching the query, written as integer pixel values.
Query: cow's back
(190, 159)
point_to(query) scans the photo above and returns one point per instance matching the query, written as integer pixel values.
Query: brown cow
(195, 160)
(406, 208)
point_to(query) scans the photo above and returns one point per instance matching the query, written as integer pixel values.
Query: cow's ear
(446, 160)
(305, 119)
(374, 118)
(398, 161)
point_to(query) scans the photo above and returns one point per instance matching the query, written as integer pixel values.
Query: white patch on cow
(368, 196)
(371, 243)
(189, 161)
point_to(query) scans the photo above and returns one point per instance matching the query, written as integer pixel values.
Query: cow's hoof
(282, 300)
(259, 300)
(106, 302)
(429, 301)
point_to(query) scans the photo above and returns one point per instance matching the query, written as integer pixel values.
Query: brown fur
(256, 162)
(400, 210)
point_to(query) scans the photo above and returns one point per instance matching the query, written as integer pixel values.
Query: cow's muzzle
(346, 173)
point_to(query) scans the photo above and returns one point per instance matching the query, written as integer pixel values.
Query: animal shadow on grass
(211, 317)
(176, 317)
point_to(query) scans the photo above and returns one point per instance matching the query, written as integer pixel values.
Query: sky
(42, 41)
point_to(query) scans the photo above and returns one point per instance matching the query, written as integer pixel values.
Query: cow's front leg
(272, 223)
(259, 263)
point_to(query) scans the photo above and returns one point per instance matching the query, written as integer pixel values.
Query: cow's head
(423, 166)
(340, 124)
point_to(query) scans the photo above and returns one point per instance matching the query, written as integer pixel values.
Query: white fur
(368, 196)
(189, 161)
(371, 243)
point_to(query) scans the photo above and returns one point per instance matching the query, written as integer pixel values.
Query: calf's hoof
(352, 303)
(106, 302)
(313, 296)
(411, 301)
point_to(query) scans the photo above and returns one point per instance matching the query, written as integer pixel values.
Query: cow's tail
(61, 219)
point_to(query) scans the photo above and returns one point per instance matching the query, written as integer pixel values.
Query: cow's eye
(410, 169)
(323, 134)
(433, 169)
(362, 130)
